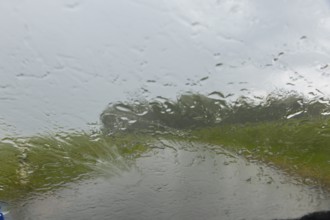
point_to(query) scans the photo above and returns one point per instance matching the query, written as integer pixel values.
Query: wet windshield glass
(215, 109)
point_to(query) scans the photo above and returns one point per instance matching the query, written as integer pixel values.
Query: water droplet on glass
(204, 78)
(216, 95)
(123, 108)
(324, 67)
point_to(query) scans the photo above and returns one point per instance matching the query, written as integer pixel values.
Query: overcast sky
(62, 62)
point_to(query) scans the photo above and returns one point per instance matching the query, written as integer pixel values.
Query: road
(178, 180)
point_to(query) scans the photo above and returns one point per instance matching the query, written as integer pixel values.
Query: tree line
(189, 111)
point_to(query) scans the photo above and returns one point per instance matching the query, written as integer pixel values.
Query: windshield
(190, 109)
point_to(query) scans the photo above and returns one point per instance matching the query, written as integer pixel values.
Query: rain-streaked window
(190, 109)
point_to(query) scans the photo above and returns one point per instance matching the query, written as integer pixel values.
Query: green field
(285, 130)
(43, 163)
(299, 146)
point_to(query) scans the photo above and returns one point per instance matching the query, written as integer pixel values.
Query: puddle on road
(179, 180)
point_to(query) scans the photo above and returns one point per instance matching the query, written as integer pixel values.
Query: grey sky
(62, 62)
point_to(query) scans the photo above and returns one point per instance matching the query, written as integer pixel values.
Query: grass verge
(301, 147)
(42, 163)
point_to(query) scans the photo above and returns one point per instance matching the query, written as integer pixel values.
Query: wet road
(179, 181)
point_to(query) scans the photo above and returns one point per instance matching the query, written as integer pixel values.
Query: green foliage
(188, 111)
(196, 110)
(44, 163)
(285, 129)
(299, 146)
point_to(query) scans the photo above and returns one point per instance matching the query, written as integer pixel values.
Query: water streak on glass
(168, 109)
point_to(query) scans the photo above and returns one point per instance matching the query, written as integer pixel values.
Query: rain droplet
(324, 67)
(123, 108)
(142, 113)
(216, 95)
(294, 114)
(132, 122)
(124, 118)
(161, 99)
(204, 78)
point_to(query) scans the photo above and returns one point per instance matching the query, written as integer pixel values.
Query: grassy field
(284, 128)
(43, 163)
(40, 164)
(299, 146)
